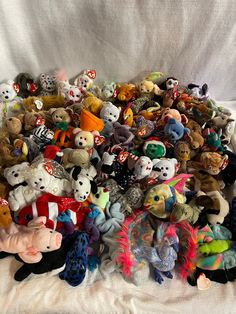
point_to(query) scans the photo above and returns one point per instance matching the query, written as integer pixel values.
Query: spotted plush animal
(76, 260)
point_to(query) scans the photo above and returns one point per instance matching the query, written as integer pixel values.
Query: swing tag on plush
(91, 74)
(48, 168)
(98, 140)
(122, 157)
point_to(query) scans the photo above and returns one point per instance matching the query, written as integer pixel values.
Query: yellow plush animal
(92, 104)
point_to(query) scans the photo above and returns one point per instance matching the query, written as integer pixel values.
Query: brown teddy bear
(13, 126)
(30, 120)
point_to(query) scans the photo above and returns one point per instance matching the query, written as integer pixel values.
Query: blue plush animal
(175, 130)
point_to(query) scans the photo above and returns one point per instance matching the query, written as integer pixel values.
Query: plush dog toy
(83, 182)
(28, 242)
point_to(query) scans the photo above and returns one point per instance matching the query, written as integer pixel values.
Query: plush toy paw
(157, 276)
(64, 217)
(168, 274)
(93, 262)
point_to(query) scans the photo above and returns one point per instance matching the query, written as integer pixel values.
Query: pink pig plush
(28, 242)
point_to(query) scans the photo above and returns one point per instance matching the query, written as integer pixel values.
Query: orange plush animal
(127, 92)
(5, 215)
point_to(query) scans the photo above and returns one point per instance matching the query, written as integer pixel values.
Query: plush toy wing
(179, 181)
(154, 76)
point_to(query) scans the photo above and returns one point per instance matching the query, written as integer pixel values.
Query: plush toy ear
(38, 223)
(205, 201)
(5, 172)
(94, 187)
(204, 89)
(95, 133)
(174, 161)
(51, 110)
(94, 161)
(184, 119)
(186, 131)
(77, 130)
(75, 172)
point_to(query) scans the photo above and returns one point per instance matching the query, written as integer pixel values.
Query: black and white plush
(83, 182)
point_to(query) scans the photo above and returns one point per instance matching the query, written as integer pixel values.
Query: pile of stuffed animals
(116, 176)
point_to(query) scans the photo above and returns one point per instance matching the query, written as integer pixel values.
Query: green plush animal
(215, 247)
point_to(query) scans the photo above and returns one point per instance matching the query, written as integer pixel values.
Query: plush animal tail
(187, 248)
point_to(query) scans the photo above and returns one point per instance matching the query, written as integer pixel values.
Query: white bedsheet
(194, 40)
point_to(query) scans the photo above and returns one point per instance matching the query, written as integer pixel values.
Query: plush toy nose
(6, 97)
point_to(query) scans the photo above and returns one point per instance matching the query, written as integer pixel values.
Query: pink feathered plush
(28, 242)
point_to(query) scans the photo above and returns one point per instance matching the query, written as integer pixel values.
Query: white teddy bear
(165, 168)
(39, 180)
(110, 112)
(17, 173)
(10, 105)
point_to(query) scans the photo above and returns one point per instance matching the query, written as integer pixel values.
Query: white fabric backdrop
(194, 40)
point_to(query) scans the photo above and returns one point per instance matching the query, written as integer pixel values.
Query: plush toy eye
(97, 195)
(40, 179)
(51, 231)
(110, 114)
(80, 183)
(48, 247)
(162, 168)
(156, 198)
(76, 190)
(167, 168)
(81, 137)
(28, 217)
(85, 138)
(4, 213)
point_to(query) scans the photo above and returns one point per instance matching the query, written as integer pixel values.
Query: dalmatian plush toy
(83, 182)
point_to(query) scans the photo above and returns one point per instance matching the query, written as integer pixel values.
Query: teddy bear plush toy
(165, 168)
(28, 242)
(85, 80)
(175, 130)
(16, 174)
(10, 104)
(39, 179)
(110, 114)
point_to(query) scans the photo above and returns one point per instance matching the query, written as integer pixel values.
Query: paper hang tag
(3, 202)
(48, 168)
(203, 283)
(39, 104)
(91, 74)
(32, 87)
(98, 140)
(16, 87)
(39, 121)
(122, 157)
